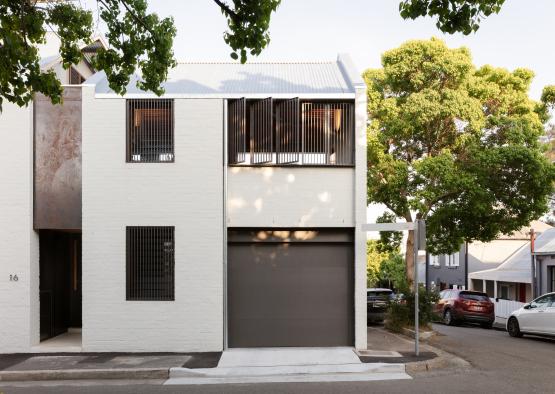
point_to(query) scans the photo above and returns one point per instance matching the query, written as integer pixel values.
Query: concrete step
(249, 371)
(298, 378)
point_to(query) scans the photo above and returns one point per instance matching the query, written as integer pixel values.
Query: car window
(473, 296)
(552, 301)
(442, 294)
(541, 302)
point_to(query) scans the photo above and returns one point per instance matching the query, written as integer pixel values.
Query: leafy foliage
(139, 42)
(401, 315)
(390, 241)
(248, 23)
(456, 145)
(452, 15)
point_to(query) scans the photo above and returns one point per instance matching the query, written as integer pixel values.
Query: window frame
(300, 162)
(134, 281)
(129, 115)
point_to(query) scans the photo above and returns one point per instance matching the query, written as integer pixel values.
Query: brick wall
(187, 194)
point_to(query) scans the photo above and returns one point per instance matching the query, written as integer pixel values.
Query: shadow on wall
(277, 193)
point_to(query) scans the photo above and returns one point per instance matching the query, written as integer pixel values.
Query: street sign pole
(419, 228)
(416, 247)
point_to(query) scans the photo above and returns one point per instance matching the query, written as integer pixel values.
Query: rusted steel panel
(57, 164)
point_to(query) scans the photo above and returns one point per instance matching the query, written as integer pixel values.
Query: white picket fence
(504, 308)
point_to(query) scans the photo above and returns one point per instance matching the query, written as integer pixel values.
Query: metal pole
(416, 303)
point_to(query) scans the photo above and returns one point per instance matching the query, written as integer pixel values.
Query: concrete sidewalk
(68, 366)
(390, 356)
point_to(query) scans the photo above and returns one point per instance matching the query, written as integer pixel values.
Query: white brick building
(225, 213)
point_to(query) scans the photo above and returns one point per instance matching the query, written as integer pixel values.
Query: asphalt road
(500, 364)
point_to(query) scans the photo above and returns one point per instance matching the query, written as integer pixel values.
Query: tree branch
(232, 14)
(133, 15)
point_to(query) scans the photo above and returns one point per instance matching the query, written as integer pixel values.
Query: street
(500, 364)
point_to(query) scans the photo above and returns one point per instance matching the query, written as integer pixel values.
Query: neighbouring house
(225, 213)
(76, 73)
(490, 255)
(447, 271)
(544, 268)
(512, 280)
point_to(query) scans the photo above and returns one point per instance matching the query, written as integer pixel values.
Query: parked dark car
(456, 306)
(377, 302)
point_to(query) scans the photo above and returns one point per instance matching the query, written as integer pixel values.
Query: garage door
(290, 288)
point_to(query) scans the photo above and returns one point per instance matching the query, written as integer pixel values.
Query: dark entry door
(60, 282)
(290, 288)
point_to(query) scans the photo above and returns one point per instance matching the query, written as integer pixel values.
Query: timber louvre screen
(290, 132)
(150, 263)
(150, 131)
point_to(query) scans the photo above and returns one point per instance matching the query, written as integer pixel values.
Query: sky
(522, 35)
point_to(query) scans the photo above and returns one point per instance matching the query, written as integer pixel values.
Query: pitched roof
(272, 78)
(517, 267)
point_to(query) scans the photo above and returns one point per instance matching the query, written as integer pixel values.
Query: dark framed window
(150, 131)
(75, 78)
(150, 263)
(290, 132)
(552, 277)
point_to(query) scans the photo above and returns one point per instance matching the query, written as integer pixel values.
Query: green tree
(390, 241)
(455, 145)
(139, 41)
(453, 16)
(374, 259)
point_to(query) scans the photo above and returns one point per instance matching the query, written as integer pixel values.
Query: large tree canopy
(455, 145)
(139, 41)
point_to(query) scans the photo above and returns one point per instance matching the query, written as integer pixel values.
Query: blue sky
(522, 35)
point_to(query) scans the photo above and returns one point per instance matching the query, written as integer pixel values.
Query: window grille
(150, 263)
(237, 130)
(287, 132)
(261, 131)
(150, 131)
(290, 132)
(328, 133)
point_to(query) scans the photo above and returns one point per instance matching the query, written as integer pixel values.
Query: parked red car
(456, 306)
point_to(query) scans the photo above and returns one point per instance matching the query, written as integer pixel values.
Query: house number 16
(13, 278)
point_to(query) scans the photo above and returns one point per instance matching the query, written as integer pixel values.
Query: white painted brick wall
(290, 197)
(19, 303)
(187, 194)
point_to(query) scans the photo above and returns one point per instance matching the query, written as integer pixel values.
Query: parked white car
(535, 318)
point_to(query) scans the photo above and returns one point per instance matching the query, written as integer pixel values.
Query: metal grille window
(237, 126)
(261, 131)
(150, 131)
(290, 132)
(328, 133)
(150, 263)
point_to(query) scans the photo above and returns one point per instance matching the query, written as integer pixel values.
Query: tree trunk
(409, 258)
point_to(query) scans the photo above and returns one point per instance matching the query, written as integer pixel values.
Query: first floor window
(552, 271)
(150, 263)
(290, 132)
(434, 260)
(452, 260)
(150, 131)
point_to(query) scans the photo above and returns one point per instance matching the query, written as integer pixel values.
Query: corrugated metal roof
(250, 78)
(517, 267)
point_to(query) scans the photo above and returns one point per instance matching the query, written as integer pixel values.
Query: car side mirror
(528, 306)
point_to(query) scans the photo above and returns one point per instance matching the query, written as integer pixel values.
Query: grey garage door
(290, 288)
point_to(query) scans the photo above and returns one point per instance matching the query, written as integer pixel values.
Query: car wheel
(514, 328)
(448, 318)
